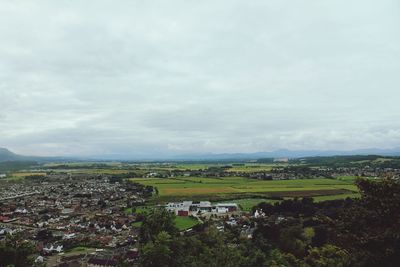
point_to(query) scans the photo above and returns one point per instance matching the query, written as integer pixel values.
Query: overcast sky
(175, 77)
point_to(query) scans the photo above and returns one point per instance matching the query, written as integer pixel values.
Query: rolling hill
(7, 155)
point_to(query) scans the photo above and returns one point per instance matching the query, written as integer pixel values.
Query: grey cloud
(169, 77)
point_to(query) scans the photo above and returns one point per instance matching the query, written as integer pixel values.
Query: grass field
(238, 188)
(182, 223)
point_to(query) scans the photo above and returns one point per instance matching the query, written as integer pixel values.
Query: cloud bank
(158, 78)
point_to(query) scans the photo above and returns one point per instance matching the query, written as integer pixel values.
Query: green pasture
(239, 187)
(182, 223)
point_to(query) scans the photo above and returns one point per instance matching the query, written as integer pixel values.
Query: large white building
(186, 208)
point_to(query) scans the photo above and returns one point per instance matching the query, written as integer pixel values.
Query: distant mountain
(289, 154)
(246, 156)
(7, 155)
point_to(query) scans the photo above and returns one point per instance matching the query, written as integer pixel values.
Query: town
(67, 212)
(104, 214)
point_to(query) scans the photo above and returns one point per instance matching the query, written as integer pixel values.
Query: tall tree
(327, 256)
(370, 229)
(155, 222)
(157, 253)
(16, 251)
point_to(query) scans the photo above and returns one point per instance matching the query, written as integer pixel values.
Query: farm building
(183, 213)
(186, 208)
(231, 207)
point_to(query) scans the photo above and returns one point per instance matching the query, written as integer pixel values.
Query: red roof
(183, 213)
(3, 218)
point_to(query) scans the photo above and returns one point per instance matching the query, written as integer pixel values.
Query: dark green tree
(155, 222)
(327, 256)
(157, 253)
(16, 251)
(370, 229)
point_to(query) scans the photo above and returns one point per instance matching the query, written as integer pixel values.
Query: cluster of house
(186, 208)
(64, 213)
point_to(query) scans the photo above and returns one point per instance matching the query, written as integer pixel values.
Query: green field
(182, 223)
(238, 188)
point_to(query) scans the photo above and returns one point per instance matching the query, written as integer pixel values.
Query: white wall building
(190, 207)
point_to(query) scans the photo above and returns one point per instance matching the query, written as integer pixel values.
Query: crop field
(237, 187)
(182, 223)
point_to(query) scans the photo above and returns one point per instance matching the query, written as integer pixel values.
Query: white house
(186, 207)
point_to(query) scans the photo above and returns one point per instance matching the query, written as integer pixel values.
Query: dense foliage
(17, 252)
(297, 233)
